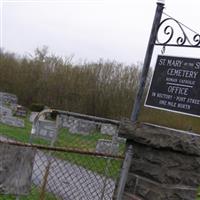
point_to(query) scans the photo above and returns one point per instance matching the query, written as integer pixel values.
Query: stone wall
(165, 163)
(83, 126)
(66, 121)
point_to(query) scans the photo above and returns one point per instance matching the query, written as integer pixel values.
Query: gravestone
(108, 129)
(46, 129)
(12, 121)
(16, 168)
(21, 111)
(8, 105)
(81, 126)
(4, 111)
(8, 100)
(107, 147)
(165, 162)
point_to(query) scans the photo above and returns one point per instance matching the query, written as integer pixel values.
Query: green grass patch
(34, 195)
(198, 194)
(20, 134)
(170, 119)
(108, 167)
(66, 139)
(78, 141)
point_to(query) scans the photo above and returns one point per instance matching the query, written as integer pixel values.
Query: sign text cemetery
(176, 85)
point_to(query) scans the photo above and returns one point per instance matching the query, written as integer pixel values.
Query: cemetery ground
(87, 142)
(95, 164)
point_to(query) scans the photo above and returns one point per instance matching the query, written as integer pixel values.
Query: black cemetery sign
(175, 85)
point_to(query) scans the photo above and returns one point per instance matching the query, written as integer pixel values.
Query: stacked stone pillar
(165, 163)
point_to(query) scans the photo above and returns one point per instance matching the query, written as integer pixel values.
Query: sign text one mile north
(176, 85)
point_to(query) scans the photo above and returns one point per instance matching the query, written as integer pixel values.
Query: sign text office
(175, 85)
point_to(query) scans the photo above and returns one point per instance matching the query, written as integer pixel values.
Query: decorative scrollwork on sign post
(174, 33)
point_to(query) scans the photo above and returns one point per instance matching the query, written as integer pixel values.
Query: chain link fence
(82, 163)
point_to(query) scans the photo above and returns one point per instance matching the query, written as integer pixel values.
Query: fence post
(138, 99)
(45, 179)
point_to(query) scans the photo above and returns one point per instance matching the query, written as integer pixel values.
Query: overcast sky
(90, 29)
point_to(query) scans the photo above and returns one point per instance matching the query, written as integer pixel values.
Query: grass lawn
(170, 119)
(34, 195)
(65, 139)
(198, 195)
(78, 141)
(20, 134)
(86, 142)
(103, 166)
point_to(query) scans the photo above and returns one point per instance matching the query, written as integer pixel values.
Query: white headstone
(109, 129)
(12, 121)
(107, 147)
(81, 126)
(21, 111)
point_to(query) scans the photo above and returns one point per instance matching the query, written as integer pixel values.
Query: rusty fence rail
(83, 164)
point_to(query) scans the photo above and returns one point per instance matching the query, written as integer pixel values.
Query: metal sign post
(138, 100)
